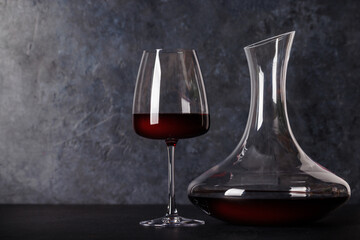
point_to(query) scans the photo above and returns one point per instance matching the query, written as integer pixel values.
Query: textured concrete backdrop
(67, 75)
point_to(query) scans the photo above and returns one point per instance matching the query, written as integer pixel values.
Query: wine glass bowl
(170, 104)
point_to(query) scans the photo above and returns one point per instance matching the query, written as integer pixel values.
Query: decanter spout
(268, 61)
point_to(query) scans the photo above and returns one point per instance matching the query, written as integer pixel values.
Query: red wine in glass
(171, 125)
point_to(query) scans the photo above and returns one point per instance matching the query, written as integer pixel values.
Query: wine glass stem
(171, 209)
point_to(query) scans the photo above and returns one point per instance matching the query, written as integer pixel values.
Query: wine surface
(267, 211)
(171, 125)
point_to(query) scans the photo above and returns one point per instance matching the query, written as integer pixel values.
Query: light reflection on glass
(234, 192)
(185, 105)
(155, 91)
(261, 98)
(298, 191)
(274, 71)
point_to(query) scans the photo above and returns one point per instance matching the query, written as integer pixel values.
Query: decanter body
(268, 178)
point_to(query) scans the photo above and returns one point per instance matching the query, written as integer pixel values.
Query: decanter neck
(267, 62)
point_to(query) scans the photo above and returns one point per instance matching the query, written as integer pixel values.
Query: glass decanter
(268, 179)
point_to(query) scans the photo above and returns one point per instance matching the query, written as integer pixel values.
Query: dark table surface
(122, 222)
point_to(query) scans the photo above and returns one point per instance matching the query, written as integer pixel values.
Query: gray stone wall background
(67, 75)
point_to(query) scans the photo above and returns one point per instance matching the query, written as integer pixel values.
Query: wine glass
(170, 104)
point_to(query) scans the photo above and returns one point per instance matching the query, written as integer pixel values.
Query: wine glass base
(168, 221)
